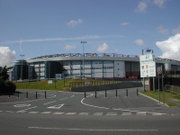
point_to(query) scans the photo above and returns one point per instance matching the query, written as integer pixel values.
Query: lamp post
(83, 42)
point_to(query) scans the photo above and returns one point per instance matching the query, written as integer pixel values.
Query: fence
(173, 89)
(107, 86)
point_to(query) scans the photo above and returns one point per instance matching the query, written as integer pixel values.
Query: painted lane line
(98, 114)
(84, 114)
(45, 112)
(65, 98)
(22, 105)
(21, 112)
(95, 129)
(33, 112)
(111, 114)
(53, 96)
(157, 101)
(59, 106)
(126, 114)
(89, 105)
(71, 113)
(50, 102)
(141, 113)
(27, 109)
(9, 111)
(58, 113)
(158, 114)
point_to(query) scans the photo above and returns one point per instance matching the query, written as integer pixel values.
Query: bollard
(105, 93)
(85, 94)
(116, 93)
(95, 94)
(9, 95)
(45, 94)
(18, 94)
(126, 92)
(36, 95)
(137, 92)
(27, 94)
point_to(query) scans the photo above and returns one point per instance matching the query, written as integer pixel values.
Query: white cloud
(160, 3)
(74, 23)
(139, 42)
(124, 24)
(176, 30)
(7, 56)
(162, 30)
(141, 7)
(51, 39)
(171, 47)
(144, 4)
(69, 47)
(102, 48)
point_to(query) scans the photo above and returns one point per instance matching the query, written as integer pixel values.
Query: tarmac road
(72, 113)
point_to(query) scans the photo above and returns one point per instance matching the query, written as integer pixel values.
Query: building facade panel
(92, 65)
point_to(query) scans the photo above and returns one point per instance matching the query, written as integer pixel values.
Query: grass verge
(171, 99)
(61, 85)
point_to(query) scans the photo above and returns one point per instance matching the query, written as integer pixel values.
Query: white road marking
(96, 130)
(20, 111)
(53, 96)
(66, 98)
(1, 111)
(56, 106)
(45, 112)
(111, 114)
(84, 113)
(157, 101)
(141, 113)
(50, 102)
(58, 113)
(33, 112)
(82, 102)
(157, 114)
(98, 114)
(126, 114)
(22, 105)
(71, 113)
(27, 109)
(10, 111)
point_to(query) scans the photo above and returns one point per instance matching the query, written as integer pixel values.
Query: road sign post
(147, 67)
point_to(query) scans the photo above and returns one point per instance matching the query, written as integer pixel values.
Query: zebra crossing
(108, 114)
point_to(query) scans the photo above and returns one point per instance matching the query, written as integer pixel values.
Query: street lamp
(83, 42)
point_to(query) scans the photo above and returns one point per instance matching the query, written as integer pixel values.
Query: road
(72, 113)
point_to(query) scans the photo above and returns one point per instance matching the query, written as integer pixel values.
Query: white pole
(83, 42)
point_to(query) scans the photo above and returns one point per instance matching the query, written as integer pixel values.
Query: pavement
(121, 112)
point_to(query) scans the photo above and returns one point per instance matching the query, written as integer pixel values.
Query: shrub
(11, 87)
(2, 87)
(7, 87)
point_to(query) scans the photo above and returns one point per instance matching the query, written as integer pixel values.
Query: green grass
(164, 96)
(43, 85)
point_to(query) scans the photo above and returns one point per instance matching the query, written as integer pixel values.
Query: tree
(5, 85)
(3, 73)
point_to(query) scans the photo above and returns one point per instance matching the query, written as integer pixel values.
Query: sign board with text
(147, 66)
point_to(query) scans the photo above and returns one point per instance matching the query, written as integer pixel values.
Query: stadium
(88, 65)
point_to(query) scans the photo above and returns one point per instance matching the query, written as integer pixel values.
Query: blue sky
(42, 27)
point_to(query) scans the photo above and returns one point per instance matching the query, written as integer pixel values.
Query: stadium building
(88, 65)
